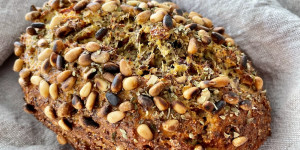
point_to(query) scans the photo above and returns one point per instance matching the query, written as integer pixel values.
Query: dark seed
(55, 4)
(104, 110)
(63, 31)
(178, 11)
(145, 101)
(33, 8)
(80, 5)
(219, 106)
(192, 26)
(101, 33)
(200, 27)
(88, 122)
(31, 31)
(246, 105)
(208, 106)
(76, 102)
(218, 38)
(38, 25)
(168, 22)
(112, 98)
(60, 62)
(58, 46)
(29, 108)
(220, 30)
(111, 68)
(116, 85)
(244, 62)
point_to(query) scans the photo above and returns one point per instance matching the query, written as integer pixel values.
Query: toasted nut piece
(102, 85)
(49, 112)
(112, 98)
(90, 74)
(206, 84)
(84, 60)
(208, 106)
(145, 101)
(144, 131)
(18, 65)
(133, 3)
(76, 102)
(179, 107)
(36, 80)
(58, 46)
(218, 38)
(19, 48)
(61, 139)
(219, 105)
(205, 37)
(181, 79)
(55, 21)
(80, 5)
(53, 59)
(104, 110)
(101, 33)
(125, 68)
(44, 88)
(143, 17)
(31, 31)
(179, 19)
(205, 95)
(111, 68)
(45, 66)
(110, 6)
(115, 116)
(157, 17)
(29, 109)
(53, 91)
(246, 105)
(156, 88)
(231, 98)
(198, 147)
(161, 103)
(31, 16)
(92, 46)
(24, 73)
(63, 76)
(90, 102)
(192, 14)
(170, 125)
(130, 83)
(221, 81)
(239, 141)
(68, 84)
(259, 83)
(23, 82)
(220, 30)
(193, 46)
(101, 58)
(116, 85)
(168, 22)
(198, 20)
(88, 122)
(143, 5)
(94, 6)
(54, 4)
(63, 31)
(60, 62)
(229, 42)
(64, 110)
(64, 124)
(207, 22)
(73, 54)
(42, 43)
(125, 106)
(86, 89)
(188, 94)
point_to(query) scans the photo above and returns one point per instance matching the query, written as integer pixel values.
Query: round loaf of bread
(110, 74)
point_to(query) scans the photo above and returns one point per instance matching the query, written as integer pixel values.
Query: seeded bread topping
(106, 74)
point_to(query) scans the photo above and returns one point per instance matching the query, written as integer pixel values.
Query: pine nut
(156, 88)
(198, 147)
(24, 73)
(157, 17)
(143, 17)
(125, 106)
(55, 21)
(133, 3)
(36, 80)
(111, 68)
(18, 65)
(181, 79)
(259, 83)
(61, 140)
(63, 76)
(101, 58)
(178, 12)
(31, 16)
(170, 125)
(73, 54)
(125, 68)
(63, 31)
(144, 131)
(31, 31)
(108, 76)
(205, 37)
(76, 102)
(246, 105)
(116, 85)
(88, 122)
(205, 95)
(128, 9)
(130, 83)
(19, 48)
(38, 25)
(229, 42)
(53, 59)
(206, 84)
(192, 14)
(221, 81)
(90, 102)
(143, 5)
(64, 124)
(218, 38)
(53, 91)
(54, 4)
(198, 20)
(60, 62)
(58, 46)
(64, 110)
(28, 108)
(45, 66)
(145, 101)
(84, 60)
(42, 43)
(90, 74)
(94, 6)
(161, 103)
(80, 5)
(68, 84)
(207, 22)
(231, 98)
(137, 10)
(193, 46)
(44, 54)
(49, 112)
(86, 89)
(187, 94)
(179, 107)
(115, 116)
(101, 84)
(208, 106)
(179, 19)
(110, 6)
(220, 30)
(112, 98)
(239, 141)
(168, 22)
(44, 88)
(23, 82)
(92, 46)
(101, 33)
(103, 111)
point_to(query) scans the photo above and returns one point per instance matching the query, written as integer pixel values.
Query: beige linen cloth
(267, 30)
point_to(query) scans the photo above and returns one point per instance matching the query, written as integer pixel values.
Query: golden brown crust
(205, 90)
